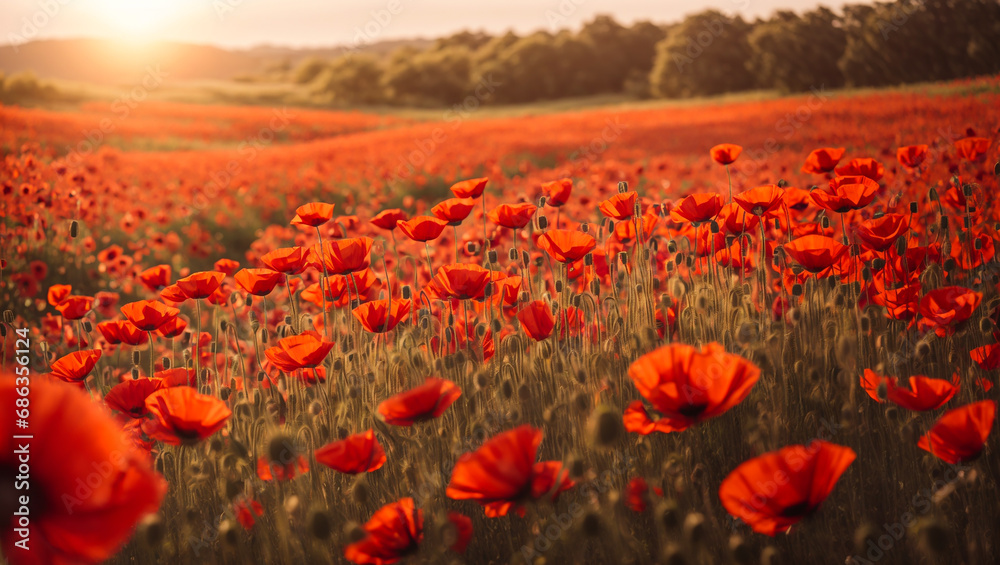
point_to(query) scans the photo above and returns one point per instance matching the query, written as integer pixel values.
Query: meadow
(718, 331)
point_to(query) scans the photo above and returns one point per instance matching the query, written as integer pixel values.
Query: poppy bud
(913, 207)
(825, 222)
(694, 528)
(622, 187)
(901, 246)
(878, 214)
(8, 316)
(714, 226)
(496, 326)
(949, 264)
(543, 222)
(472, 247)
(406, 292)
(996, 169)
(135, 373)
(355, 532)
(585, 227)
(3, 330)
(605, 427)
(740, 550)
(944, 222)
(507, 389)
(525, 257)
(595, 287)
(770, 556)
(866, 274)
(165, 361)
(777, 223)
(249, 304)
(512, 254)
(934, 536)
(74, 228)
(264, 335)
(135, 357)
(261, 376)
(542, 201)
(492, 256)
(623, 257)
(796, 289)
(233, 298)
(883, 390)
(319, 525)
(932, 193)
(151, 531)
(591, 524)
(967, 190)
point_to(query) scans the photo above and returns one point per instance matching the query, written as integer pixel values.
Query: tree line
(709, 53)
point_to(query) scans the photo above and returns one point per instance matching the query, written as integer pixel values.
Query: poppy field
(751, 332)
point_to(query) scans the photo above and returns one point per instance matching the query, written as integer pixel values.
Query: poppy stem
(197, 347)
(456, 242)
(730, 177)
(291, 304)
(430, 270)
(149, 334)
(322, 287)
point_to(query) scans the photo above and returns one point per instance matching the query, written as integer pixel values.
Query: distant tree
(793, 53)
(432, 77)
(355, 79)
(309, 69)
(468, 39)
(527, 70)
(612, 58)
(704, 55)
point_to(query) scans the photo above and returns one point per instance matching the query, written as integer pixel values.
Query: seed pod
(74, 229)
(135, 357)
(605, 427)
(249, 304)
(319, 525)
(591, 525)
(8, 316)
(543, 222)
(622, 187)
(512, 254)
(135, 373)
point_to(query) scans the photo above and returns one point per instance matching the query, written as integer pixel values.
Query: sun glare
(136, 19)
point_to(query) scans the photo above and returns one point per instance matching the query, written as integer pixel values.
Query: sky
(324, 23)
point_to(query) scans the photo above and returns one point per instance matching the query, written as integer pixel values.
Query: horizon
(252, 24)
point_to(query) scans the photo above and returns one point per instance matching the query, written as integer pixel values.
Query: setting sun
(138, 18)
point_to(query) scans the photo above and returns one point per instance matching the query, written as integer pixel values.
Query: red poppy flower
(313, 214)
(735, 220)
(815, 253)
(393, 533)
(247, 511)
(725, 153)
(173, 293)
(822, 160)
(129, 397)
(122, 331)
(557, 192)
(879, 234)
(149, 315)
(620, 206)
(761, 200)
(773, 492)
(178, 376)
(454, 210)
(567, 246)
(226, 266)
(947, 307)
(697, 208)
(372, 315)
(73, 437)
(462, 281)
(911, 156)
(345, 256)
(358, 453)
(423, 228)
(513, 216)
(271, 471)
(463, 530)
(183, 416)
(637, 495)
(972, 148)
(424, 402)
(288, 260)
(862, 167)
(258, 282)
(845, 193)
(960, 434)
(471, 188)
(687, 386)
(305, 350)
(387, 219)
(987, 356)
(924, 393)
(537, 320)
(58, 292)
(75, 307)
(200, 285)
(502, 473)
(74, 367)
